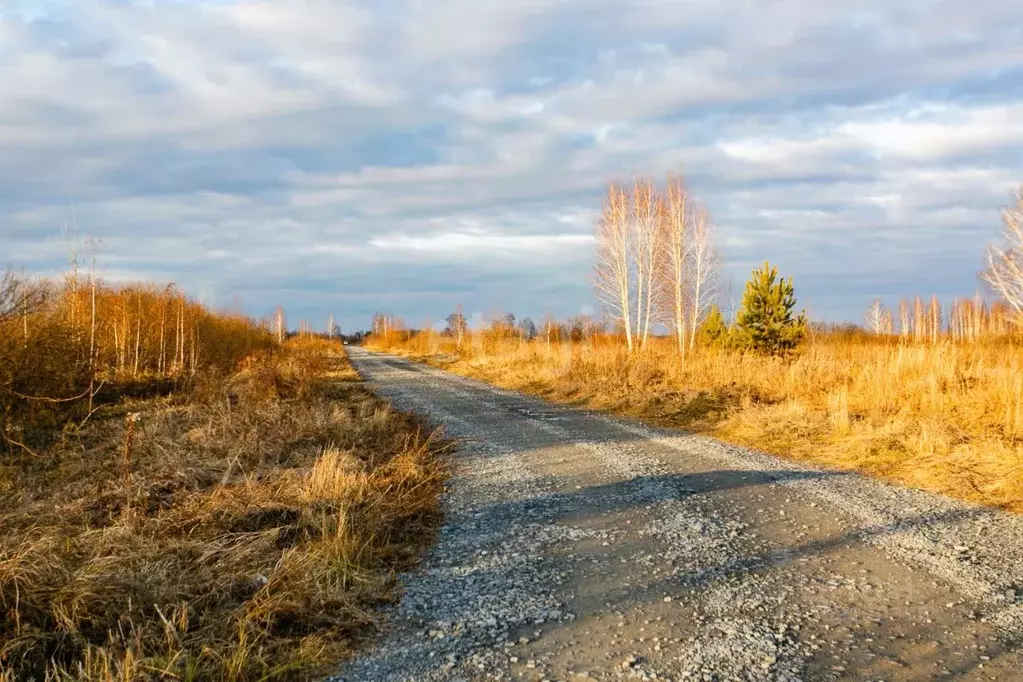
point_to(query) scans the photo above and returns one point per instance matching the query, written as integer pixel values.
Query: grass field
(944, 416)
(244, 528)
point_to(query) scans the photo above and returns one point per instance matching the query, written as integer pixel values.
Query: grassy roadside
(943, 417)
(247, 531)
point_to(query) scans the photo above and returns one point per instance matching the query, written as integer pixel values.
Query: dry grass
(946, 417)
(245, 533)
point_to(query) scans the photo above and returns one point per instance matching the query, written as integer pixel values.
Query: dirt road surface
(583, 547)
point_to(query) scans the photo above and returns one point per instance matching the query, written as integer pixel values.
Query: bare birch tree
(612, 277)
(875, 317)
(919, 320)
(279, 324)
(1004, 272)
(550, 330)
(646, 247)
(934, 319)
(904, 326)
(676, 218)
(655, 262)
(703, 271)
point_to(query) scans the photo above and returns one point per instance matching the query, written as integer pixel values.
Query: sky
(344, 157)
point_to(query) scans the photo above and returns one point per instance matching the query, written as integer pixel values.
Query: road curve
(583, 547)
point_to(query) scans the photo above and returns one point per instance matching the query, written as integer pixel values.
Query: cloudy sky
(407, 155)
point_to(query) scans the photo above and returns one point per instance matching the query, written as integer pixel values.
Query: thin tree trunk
(138, 335)
(703, 272)
(92, 333)
(613, 269)
(163, 337)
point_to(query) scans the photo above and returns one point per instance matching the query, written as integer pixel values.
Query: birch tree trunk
(646, 242)
(612, 278)
(676, 220)
(703, 272)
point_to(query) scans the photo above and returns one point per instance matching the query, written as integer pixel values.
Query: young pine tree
(766, 321)
(713, 331)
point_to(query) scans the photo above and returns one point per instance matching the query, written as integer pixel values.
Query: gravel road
(583, 547)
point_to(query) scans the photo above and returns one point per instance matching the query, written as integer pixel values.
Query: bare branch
(1004, 272)
(878, 319)
(19, 297)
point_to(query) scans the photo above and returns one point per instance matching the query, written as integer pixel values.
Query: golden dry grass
(946, 417)
(245, 531)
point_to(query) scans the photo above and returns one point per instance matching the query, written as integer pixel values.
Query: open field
(242, 527)
(944, 416)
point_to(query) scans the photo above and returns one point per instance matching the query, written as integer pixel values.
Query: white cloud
(947, 132)
(480, 244)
